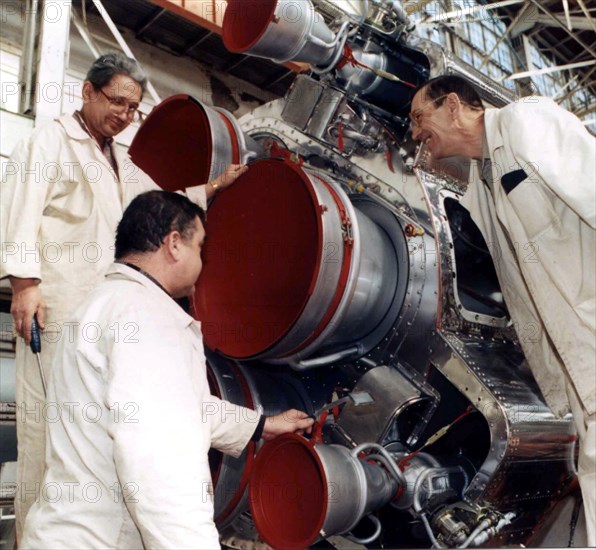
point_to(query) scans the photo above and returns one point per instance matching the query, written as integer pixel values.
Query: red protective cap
(174, 144)
(288, 493)
(261, 259)
(245, 21)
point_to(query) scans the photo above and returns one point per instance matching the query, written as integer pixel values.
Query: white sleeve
(136, 181)
(231, 426)
(198, 195)
(26, 181)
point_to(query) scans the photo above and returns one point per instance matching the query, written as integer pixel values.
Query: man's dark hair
(150, 217)
(111, 64)
(443, 85)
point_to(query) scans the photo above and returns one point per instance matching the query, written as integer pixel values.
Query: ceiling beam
(193, 45)
(234, 63)
(587, 14)
(85, 35)
(519, 15)
(268, 83)
(576, 38)
(545, 41)
(474, 10)
(154, 17)
(567, 16)
(577, 22)
(584, 82)
(555, 69)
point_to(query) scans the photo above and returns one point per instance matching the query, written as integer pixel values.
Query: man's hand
(226, 179)
(26, 302)
(292, 421)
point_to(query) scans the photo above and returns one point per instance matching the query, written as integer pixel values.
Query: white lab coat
(541, 234)
(539, 223)
(60, 203)
(127, 454)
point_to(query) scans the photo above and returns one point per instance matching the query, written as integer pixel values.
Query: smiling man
(63, 193)
(535, 205)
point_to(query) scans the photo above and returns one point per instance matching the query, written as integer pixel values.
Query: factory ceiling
(182, 36)
(564, 30)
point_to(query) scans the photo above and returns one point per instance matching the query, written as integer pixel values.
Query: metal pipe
(430, 533)
(327, 359)
(26, 76)
(390, 463)
(401, 13)
(484, 524)
(423, 477)
(487, 534)
(373, 537)
(342, 36)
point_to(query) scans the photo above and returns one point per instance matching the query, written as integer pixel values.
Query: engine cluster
(342, 277)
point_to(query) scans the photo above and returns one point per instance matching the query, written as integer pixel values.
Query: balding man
(536, 206)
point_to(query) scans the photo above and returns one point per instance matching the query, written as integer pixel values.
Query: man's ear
(454, 104)
(172, 243)
(89, 93)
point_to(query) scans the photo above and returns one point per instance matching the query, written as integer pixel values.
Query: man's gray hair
(108, 65)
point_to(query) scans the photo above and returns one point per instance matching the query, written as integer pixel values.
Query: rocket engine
(342, 277)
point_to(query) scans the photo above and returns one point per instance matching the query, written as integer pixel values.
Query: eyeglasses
(416, 116)
(121, 105)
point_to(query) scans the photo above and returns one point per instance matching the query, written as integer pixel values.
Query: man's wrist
(20, 283)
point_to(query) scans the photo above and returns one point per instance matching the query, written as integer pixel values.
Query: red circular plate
(245, 21)
(288, 493)
(260, 260)
(174, 145)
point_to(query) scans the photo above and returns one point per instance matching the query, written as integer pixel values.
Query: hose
(487, 533)
(339, 51)
(388, 460)
(370, 539)
(484, 524)
(429, 531)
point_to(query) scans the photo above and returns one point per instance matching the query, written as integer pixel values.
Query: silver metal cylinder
(281, 30)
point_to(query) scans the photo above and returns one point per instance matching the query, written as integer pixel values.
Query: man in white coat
(127, 463)
(62, 194)
(535, 204)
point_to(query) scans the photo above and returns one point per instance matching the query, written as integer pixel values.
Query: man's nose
(415, 129)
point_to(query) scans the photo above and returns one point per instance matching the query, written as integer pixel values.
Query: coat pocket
(530, 203)
(512, 179)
